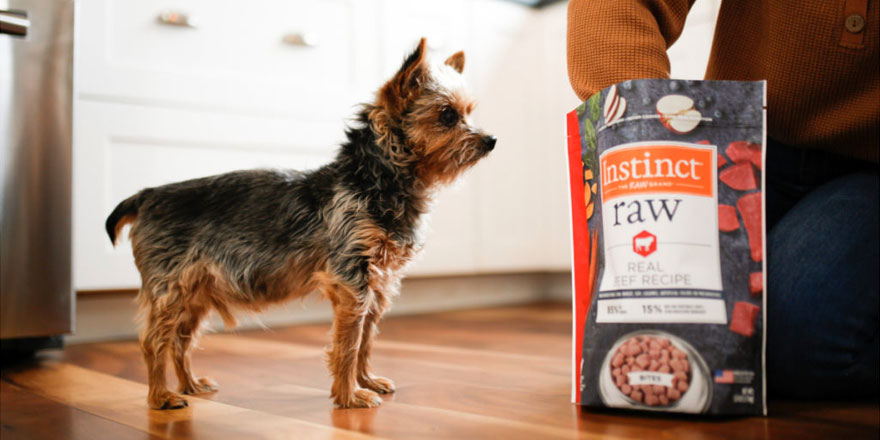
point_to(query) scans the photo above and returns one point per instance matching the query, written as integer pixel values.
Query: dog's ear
(413, 67)
(456, 61)
(407, 82)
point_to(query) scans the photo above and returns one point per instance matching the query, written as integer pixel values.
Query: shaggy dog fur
(248, 239)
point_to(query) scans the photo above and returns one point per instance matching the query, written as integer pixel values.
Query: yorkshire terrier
(248, 239)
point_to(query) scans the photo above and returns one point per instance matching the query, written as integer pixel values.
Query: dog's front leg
(342, 357)
(365, 377)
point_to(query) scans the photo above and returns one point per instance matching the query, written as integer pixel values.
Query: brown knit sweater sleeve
(610, 41)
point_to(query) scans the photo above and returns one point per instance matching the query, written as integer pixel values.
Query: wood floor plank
(863, 414)
(426, 386)
(25, 415)
(122, 401)
(394, 359)
(520, 329)
(399, 420)
(491, 373)
(304, 393)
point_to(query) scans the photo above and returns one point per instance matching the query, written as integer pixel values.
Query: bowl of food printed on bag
(655, 370)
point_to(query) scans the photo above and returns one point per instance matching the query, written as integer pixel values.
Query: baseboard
(101, 317)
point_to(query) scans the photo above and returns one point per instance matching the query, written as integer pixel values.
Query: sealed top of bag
(667, 227)
(681, 106)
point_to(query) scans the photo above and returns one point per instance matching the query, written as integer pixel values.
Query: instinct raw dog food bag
(668, 240)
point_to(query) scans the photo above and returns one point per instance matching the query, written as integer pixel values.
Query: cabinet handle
(302, 39)
(177, 18)
(14, 23)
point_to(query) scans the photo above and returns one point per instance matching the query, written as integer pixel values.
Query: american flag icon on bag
(723, 376)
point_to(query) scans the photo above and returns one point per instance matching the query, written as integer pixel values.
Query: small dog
(248, 239)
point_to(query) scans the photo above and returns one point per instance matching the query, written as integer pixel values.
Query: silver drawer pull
(14, 23)
(177, 18)
(302, 39)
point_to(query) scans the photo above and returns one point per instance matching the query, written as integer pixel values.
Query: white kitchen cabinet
(157, 104)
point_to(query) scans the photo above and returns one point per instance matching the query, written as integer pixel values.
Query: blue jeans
(822, 275)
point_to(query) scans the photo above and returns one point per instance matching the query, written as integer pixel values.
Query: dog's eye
(448, 116)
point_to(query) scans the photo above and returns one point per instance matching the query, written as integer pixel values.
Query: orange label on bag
(657, 168)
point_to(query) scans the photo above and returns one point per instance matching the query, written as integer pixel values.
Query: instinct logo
(657, 168)
(644, 243)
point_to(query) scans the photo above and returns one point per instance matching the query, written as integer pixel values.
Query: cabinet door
(120, 149)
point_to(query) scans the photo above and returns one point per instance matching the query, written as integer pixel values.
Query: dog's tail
(125, 213)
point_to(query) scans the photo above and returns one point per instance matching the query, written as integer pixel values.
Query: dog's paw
(199, 386)
(366, 399)
(361, 398)
(381, 385)
(168, 400)
(209, 384)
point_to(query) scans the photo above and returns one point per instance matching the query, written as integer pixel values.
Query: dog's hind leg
(184, 339)
(364, 376)
(157, 335)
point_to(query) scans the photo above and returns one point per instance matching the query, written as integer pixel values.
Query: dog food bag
(668, 234)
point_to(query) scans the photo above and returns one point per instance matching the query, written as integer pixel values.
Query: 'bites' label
(660, 215)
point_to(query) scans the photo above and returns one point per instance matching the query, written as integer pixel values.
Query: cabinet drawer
(235, 55)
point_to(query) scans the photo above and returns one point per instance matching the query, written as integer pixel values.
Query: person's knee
(823, 292)
(831, 233)
(859, 191)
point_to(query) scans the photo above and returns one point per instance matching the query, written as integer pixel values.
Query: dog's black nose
(490, 142)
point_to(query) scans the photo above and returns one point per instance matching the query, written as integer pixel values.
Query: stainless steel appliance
(36, 78)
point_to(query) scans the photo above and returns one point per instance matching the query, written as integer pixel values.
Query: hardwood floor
(491, 373)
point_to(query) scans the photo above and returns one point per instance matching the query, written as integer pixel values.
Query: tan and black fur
(248, 239)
